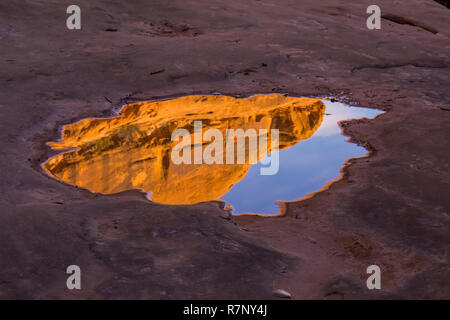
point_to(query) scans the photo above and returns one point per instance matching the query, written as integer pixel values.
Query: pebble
(280, 293)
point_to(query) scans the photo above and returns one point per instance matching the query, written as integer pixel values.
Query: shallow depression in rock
(134, 150)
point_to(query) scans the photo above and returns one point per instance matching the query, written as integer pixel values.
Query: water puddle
(134, 150)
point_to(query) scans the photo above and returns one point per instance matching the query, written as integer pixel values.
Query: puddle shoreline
(282, 204)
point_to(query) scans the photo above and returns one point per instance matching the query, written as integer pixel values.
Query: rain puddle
(134, 150)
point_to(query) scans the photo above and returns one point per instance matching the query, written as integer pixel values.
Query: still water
(133, 150)
(304, 168)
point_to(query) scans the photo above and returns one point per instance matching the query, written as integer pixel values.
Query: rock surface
(391, 209)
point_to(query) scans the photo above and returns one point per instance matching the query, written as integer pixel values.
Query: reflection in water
(133, 150)
(304, 168)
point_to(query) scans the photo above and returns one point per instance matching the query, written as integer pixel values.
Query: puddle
(304, 168)
(133, 150)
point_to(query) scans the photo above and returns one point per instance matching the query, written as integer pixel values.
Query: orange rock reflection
(133, 150)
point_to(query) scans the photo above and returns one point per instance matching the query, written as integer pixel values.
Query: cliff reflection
(133, 150)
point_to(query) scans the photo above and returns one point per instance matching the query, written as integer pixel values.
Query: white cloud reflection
(336, 111)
